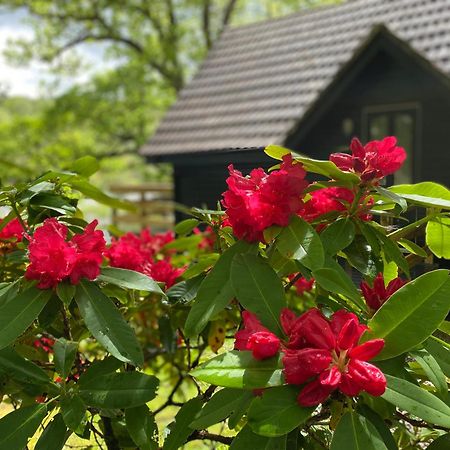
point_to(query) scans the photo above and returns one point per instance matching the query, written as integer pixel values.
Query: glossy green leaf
(392, 252)
(20, 368)
(411, 314)
(107, 325)
(205, 262)
(179, 428)
(412, 247)
(301, 242)
(258, 289)
(437, 236)
(247, 439)
(73, 411)
(355, 432)
(20, 425)
(184, 291)
(426, 194)
(378, 422)
(142, 427)
(277, 412)
(417, 401)
(337, 235)
(221, 405)
(64, 356)
(441, 443)
(390, 195)
(85, 166)
(361, 256)
(433, 371)
(337, 281)
(440, 353)
(215, 292)
(118, 390)
(19, 313)
(129, 279)
(54, 436)
(240, 370)
(65, 292)
(186, 226)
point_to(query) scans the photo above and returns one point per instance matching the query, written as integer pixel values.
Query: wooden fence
(154, 204)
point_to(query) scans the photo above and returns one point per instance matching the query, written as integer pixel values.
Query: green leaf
(204, 263)
(411, 314)
(118, 390)
(179, 428)
(355, 432)
(240, 370)
(20, 425)
(258, 289)
(20, 368)
(247, 439)
(337, 236)
(184, 291)
(96, 194)
(441, 443)
(301, 242)
(432, 370)
(142, 427)
(186, 226)
(73, 411)
(393, 253)
(107, 325)
(338, 282)
(222, 405)
(437, 236)
(412, 247)
(54, 436)
(65, 292)
(19, 313)
(129, 279)
(440, 352)
(99, 368)
(64, 356)
(215, 292)
(361, 256)
(277, 412)
(378, 422)
(393, 197)
(417, 401)
(426, 194)
(85, 166)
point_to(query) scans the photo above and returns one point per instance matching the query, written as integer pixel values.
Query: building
(311, 81)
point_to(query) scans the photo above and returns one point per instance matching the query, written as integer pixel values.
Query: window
(395, 121)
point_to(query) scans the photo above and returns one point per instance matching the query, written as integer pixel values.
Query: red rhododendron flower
(53, 258)
(375, 296)
(45, 344)
(164, 272)
(327, 200)
(302, 285)
(325, 354)
(373, 161)
(12, 230)
(261, 200)
(255, 337)
(209, 238)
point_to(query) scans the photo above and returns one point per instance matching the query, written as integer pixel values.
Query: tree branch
(228, 12)
(206, 13)
(205, 435)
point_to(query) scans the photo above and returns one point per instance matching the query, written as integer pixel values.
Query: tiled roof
(259, 80)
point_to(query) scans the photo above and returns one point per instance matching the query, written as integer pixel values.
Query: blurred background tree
(156, 47)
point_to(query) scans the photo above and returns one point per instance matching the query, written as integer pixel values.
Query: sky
(28, 81)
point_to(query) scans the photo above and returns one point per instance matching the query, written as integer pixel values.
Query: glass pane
(404, 131)
(378, 126)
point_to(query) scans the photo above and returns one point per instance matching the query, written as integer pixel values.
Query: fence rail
(154, 203)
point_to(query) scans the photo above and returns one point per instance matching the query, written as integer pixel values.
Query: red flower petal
(313, 394)
(368, 350)
(331, 377)
(263, 344)
(301, 365)
(370, 378)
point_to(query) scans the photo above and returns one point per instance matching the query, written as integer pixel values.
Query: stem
(402, 232)
(205, 435)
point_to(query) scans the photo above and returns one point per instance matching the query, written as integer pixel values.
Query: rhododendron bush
(308, 312)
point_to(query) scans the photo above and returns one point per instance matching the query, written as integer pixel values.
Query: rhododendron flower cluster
(44, 343)
(302, 285)
(208, 238)
(372, 161)
(323, 353)
(327, 200)
(378, 294)
(12, 230)
(261, 200)
(137, 252)
(54, 258)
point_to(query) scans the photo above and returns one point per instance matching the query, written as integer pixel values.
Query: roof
(259, 80)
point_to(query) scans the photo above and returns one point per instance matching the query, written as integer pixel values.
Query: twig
(205, 435)
(420, 423)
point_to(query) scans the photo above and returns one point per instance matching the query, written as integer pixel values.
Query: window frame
(390, 109)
